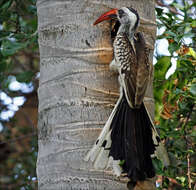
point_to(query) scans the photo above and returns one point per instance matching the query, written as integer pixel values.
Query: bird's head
(128, 17)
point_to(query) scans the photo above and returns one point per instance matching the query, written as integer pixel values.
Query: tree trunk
(76, 90)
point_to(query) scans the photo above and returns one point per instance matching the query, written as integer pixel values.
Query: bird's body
(131, 58)
(128, 138)
(132, 141)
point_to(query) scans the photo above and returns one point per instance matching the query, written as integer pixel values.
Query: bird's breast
(124, 53)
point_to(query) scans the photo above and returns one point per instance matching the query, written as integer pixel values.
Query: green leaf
(25, 76)
(189, 35)
(11, 47)
(193, 89)
(183, 106)
(193, 24)
(162, 66)
(173, 47)
(192, 52)
(4, 34)
(178, 91)
(180, 29)
(177, 38)
(182, 179)
(6, 5)
(122, 162)
(32, 9)
(178, 5)
(158, 165)
(170, 33)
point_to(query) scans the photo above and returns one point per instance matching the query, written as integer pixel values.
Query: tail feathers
(97, 147)
(110, 162)
(102, 158)
(160, 151)
(161, 154)
(130, 136)
(92, 154)
(155, 135)
(132, 141)
(117, 168)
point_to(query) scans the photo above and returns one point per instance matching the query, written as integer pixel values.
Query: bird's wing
(143, 68)
(134, 70)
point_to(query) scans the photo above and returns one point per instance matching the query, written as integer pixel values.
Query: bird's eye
(120, 13)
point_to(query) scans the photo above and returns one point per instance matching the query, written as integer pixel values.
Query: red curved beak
(112, 14)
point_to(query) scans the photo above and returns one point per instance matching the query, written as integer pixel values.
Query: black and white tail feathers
(132, 141)
(127, 142)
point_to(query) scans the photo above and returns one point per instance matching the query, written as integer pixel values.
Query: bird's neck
(127, 30)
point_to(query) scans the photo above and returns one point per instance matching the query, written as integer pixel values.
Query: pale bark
(77, 91)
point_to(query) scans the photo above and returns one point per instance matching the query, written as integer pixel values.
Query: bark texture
(77, 91)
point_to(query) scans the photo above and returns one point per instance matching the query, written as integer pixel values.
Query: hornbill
(129, 137)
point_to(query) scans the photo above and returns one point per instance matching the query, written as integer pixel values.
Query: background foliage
(19, 61)
(175, 96)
